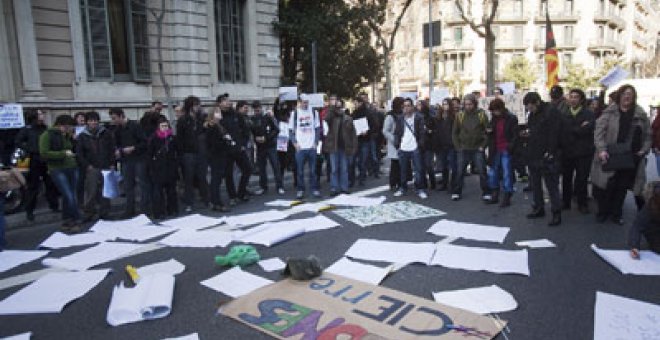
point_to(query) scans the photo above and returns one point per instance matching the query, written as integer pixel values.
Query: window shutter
(141, 63)
(97, 40)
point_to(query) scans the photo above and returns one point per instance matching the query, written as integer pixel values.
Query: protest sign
(11, 116)
(316, 100)
(332, 305)
(288, 93)
(614, 76)
(438, 95)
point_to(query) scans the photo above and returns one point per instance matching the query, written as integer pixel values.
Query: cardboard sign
(316, 100)
(332, 306)
(614, 76)
(438, 95)
(11, 116)
(289, 93)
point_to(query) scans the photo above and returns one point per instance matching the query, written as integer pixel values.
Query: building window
(568, 7)
(518, 8)
(601, 33)
(541, 33)
(230, 40)
(568, 35)
(518, 35)
(568, 60)
(115, 40)
(435, 31)
(458, 35)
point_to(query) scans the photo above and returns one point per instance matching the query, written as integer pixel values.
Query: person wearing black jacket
(131, 147)
(162, 166)
(28, 140)
(409, 139)
(502, 134)
(578, 150)
(265, 132)
(544, 128)
(95, 151)
(238, 129)
(192, 153)
(433, 139)
(363, 156)
(444, 146)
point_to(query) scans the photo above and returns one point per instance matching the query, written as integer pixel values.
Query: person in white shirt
(409, 136)
(304, 133)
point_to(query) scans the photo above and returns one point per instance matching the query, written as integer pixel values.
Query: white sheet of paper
(82, 260)
(280, 203)
(361, 126)
(391, 251)
(236, 282)
(192, 336)
(50, 293)
(132, 232)
(60, 240)
(316, 223)
(476, 258)
(355, 201)
(194, 222)
(648, 263)
(272, 264)
(102, 225)
(268, 234)
(614, 76)
(150, 299)
(481, 300)
(111, 180)
(198, 239)
(359, 271)
(170, 267)
(617, 317)
(13, 258)
(256, 218)
(542, 243)
(469, 231)
(22, 336)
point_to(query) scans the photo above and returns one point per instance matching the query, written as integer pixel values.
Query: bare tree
(159, 16)
(483, 28)
(376, 11)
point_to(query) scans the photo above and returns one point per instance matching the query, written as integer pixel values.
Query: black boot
(506, 200)
(536, 213)
(494, 197)
(556, 219)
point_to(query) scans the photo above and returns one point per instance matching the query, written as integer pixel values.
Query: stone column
(27, 47)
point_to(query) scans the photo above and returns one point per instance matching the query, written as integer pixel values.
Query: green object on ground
(242, 255)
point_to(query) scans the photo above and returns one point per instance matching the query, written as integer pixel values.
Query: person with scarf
(162, 167)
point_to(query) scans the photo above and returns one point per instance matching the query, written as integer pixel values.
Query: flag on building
(551, 58)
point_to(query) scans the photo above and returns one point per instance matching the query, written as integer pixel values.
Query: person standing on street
(503, 132)
(237, 127)
(304, 133)
(340, 143)
(409, 138)
(191, 153)
(265, 132)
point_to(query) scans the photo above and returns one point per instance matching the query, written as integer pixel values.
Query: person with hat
(304, 133)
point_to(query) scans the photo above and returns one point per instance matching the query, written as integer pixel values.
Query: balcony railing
(457, 45)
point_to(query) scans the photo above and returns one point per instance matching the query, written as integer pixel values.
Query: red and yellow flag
(551, 58)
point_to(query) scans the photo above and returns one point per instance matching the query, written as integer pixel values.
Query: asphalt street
(555, 302)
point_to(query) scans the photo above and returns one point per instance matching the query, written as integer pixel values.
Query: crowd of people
(180, 166)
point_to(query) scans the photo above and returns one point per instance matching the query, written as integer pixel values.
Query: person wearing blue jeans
(405, 157)
(340, 143)
(55, 147)
(502, 133)
(304, 133)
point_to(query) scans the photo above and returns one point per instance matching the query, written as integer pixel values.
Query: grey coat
(388, 131)
(606, 132)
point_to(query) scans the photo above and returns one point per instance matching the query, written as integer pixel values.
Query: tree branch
(473, 25)
(397, 23)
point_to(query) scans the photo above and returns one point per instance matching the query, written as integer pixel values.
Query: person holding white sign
(304, 133)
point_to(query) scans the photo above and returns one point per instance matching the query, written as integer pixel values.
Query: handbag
(11, 179)
(621, 155)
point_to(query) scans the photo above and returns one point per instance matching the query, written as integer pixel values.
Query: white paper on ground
(316, 223)
(469, 231)
(359, 271)
(280, 203)
(60, 240)
(170, 267)
(391, 251)
(272, 264)
(268, 234)
(90, 257)
(198, 239)
(13, 258)
(355, 201)
(137, 233)
(476, 258)
(150, 299)
(193, 222)
(648, 263)
(617, 317)
(481, 300)
(256, 218)
(22, 336)
(102, 225)
(52, 292)
(236, 282)
(542, 243)
(192, 336)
